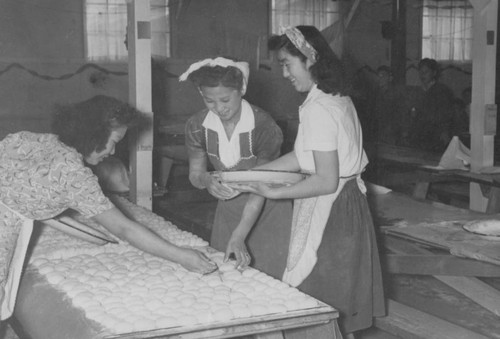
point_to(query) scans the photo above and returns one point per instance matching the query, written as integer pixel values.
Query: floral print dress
(40, 177)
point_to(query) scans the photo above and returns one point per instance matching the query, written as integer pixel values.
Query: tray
(270, 177)
(77, 229)
(489, 228)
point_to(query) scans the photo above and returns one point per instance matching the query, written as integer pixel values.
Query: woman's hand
(217, 189)
(196, 261)
(256, 188)
(143, 238)
(236, 246)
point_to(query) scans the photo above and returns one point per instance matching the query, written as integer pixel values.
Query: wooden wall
(42, 57)
(42, 63)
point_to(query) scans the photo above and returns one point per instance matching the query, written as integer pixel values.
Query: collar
(245, 124)
(313, 94)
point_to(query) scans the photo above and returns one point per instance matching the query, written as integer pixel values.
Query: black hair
(87, 125)
(327, 71)
(384, 68)
(214, 76)
(432, 65)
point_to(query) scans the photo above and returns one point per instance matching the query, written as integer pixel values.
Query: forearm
(249, 216)
(138, 236)
(198, 175)
(314, 185)
(324, 181)
(199, 178)
(287, 162)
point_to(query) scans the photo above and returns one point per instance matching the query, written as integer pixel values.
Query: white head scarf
(223, 62)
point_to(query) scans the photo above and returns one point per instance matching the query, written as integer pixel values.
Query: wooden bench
(408, 166)
(489, 183)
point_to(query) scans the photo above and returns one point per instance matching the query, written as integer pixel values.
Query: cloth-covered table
(76, 289)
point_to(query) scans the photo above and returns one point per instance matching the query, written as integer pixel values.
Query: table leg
(420, 190)
(493, 200)
(165, 168)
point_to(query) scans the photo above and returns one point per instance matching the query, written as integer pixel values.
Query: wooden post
(483, 92)
(139, 68)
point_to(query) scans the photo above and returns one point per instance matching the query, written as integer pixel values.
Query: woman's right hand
(218, 189)
(196, 261)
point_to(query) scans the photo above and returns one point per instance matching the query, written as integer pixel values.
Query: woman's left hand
(195, 261)
(237, 247)
(256, 188)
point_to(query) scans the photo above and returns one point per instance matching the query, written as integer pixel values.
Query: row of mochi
(134, 291)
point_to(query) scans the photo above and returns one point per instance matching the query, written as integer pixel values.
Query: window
(106, 27)
(319, 13)
(447, 30)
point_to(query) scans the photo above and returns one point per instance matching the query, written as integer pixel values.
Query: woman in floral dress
(42, 175)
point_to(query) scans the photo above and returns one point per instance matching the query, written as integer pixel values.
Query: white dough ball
(223, 314)
(123, 327)
(144, 324)
(166, 322)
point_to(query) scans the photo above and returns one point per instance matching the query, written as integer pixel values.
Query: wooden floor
(423, 298)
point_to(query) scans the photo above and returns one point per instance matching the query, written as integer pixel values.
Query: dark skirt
(348, 275)
(268, 240)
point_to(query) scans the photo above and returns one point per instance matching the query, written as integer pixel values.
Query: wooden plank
(483, 92)
(139, 70)
(271, 324)
(481, 293)
(409, 323)
(476, 290)
(434, 264)
(493, 201)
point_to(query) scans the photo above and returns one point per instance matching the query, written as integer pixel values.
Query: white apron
(310, 216)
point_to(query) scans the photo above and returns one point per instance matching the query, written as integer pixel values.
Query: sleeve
(320, 128)
(268, 139)
(195, 138)
(82, 188)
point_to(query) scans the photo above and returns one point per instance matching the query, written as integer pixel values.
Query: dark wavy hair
(327, 71)
(214, 76)
(87, 125)
(431, 64)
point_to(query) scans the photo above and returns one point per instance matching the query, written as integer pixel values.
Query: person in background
(466, 96)
(42, 175)
(460, 121)
(433, 116)
(389, 107)
(230, 134)
(333, 253)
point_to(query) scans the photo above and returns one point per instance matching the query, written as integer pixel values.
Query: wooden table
(423, 238)
(268, 327)
(44, 311)
(420, 168)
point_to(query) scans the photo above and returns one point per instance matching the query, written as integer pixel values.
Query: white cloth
(327, 123)
(456, 156)
(223, 62)
(229, 148)
(15, 266)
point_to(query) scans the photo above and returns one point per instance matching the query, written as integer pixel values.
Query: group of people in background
(426, 117)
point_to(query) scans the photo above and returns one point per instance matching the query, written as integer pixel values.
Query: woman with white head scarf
(232, 134)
